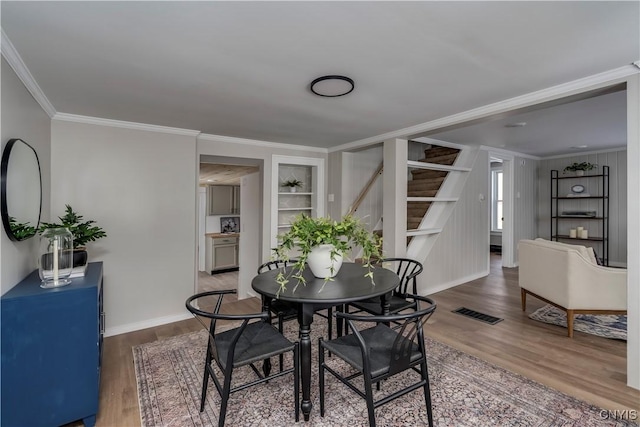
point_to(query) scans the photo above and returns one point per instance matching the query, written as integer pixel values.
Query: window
(497, 205)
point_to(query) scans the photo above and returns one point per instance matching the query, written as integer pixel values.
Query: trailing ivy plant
(82, 231)
(307, 232)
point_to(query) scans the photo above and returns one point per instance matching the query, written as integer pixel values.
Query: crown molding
(604, 79)
(584, 153)
(64, 117)
(17, 64)
(502, 151)
(259, 143)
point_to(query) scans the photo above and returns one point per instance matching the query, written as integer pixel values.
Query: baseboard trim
(131, 327)
(444, 286)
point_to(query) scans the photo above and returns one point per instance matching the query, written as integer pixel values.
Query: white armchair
(568, 277)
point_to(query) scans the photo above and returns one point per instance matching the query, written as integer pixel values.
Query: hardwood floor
(587, 367)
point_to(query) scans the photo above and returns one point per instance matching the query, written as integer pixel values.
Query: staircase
(436, 182)
(425, 183)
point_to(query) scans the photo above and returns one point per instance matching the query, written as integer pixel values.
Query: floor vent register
(492, 320)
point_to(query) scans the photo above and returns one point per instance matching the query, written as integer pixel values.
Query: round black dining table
(350, 284)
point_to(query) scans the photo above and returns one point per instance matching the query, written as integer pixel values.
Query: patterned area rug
(466, 391)
(608, 326)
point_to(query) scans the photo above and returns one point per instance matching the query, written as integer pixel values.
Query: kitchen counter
(218, 235)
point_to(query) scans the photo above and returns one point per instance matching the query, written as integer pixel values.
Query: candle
(580, 230)
(584, 234)
(572, 233)
(55, 260)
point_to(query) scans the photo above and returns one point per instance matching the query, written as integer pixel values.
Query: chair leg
(330, 322)
(205, 377)
(368, 385)
(523, 299)
(205, 383)
(226, 390)
(321, 375)
(427, 391)
(280, 329)
(570, 323)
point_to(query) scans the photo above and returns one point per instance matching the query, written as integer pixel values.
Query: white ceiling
(591, 124)
(242, 69)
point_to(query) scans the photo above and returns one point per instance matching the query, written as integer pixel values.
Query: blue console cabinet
(51, 351)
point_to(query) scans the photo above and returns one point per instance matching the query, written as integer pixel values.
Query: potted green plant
(579, 168)
(293, 184)
(83, 232)
(322, 243)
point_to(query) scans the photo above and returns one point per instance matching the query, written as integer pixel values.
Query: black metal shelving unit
(602, 211)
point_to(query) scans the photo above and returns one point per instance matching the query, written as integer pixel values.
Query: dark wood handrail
(366, 189)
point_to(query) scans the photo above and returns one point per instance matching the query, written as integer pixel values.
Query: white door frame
(508, 224)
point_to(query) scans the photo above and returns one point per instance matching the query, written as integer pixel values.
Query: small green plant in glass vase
(308, 236)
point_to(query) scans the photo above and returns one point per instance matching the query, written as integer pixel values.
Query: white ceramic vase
(579, 173)
(320, 262)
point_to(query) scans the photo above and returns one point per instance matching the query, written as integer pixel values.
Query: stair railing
(366, 189)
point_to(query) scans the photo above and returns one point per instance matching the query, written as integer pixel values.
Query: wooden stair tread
(436, 150)
(422, 193)
(427, 173)
(447, 159)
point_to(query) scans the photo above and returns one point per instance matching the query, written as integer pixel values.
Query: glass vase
(55, 259)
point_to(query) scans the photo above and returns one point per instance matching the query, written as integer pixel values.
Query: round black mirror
(21, 200)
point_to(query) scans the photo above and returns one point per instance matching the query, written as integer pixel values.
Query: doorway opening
(229, 223)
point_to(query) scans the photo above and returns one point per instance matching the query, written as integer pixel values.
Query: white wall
(249, 258)
(141, 187)
(334, 184)
(22, 117)
(461, 252)
(633, 231)
(617, 162)
(525, 202)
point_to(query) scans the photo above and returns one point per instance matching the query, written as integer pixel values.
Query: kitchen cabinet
(223, 199)
(52, 351)
(222, 254)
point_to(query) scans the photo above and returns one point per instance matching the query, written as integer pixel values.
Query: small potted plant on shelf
(579, 168)
(293, 184)
(83, 232)
(322, 243)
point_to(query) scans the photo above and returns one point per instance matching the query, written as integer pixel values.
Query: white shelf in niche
(295, 194)
(296, 209)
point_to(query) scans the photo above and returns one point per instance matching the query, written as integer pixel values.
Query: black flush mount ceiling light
(332, 86)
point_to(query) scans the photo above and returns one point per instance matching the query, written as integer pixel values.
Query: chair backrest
(215, 315)
(275, 264)
(407, 336)
(407, 269)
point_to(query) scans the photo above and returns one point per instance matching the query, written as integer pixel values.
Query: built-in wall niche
(308, 198)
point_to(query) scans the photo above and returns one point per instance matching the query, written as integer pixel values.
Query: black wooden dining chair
(407, 269)
(241, 346)
(379, 352)
(285, 310)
